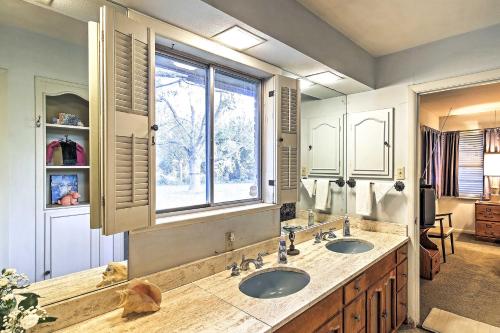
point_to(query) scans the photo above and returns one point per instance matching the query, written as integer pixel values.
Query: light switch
(400, 173)
(303, 171)
(229, 241)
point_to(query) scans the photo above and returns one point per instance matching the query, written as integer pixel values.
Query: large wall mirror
(322, 190)
(45, 212)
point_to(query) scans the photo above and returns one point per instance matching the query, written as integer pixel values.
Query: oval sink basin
(350, 246)
(274, 283)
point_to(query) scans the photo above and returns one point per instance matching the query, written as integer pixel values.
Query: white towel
(309, 185)
(323, 196)
(364, 198)
(381, 190)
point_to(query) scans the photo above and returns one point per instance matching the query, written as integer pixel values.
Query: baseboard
(465, 231)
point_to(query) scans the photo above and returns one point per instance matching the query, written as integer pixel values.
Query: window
(470, 164)
(207, 144)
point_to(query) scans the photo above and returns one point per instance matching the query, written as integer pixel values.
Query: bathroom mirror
(45, 228)
(322, 150)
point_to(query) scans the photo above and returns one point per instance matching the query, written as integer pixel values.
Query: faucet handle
(235, 270)
(317, 238)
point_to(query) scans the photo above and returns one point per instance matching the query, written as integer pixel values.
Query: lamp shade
(492, 164)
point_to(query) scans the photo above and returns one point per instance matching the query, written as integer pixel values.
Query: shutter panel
(128, 113)
(288, 100)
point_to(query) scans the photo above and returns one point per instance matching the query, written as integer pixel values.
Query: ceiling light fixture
(238, 38)
(184, 66)
(304, 83)
(325, 78)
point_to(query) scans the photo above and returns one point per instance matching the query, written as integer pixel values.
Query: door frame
(481, 78)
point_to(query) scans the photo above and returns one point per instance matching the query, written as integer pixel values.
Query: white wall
(472, 52)
(336, 107)
(4, 172)
(26, 55)
(393, 207)
(155, 250)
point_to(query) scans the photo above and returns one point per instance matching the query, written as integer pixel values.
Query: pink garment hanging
(80, 155)
(50, 150)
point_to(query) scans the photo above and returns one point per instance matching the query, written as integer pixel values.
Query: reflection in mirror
(45, 213)
(322, 191)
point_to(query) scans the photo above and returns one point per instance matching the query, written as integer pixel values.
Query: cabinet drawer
(355, 288)
(355, 315)
(435, 264)
(334, 325)
(487, 212)
(402, 274)
(313, 318)
(402, 253)
(487, 229)
(402, 306)
(381, 268)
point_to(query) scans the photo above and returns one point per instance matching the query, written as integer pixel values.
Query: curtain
(431, 158)
(491, 145)
(449, 176)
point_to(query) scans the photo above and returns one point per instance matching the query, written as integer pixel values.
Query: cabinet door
(374, 308)
(325, 146)
(402, 306)
(389, 309)
(371, 135)
(334, 325)
(70, 245)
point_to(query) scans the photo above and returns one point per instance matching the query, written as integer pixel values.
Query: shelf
(69, 127)
(67, 167)
(80, 204)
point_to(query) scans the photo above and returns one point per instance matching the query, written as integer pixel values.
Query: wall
(4, 172)
(154, 250)
(314, 109)
(25, 55)
(472, 52)
(394, 206)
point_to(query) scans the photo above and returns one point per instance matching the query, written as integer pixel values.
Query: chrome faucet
(346, 227)
(258, 262)
(323, 235)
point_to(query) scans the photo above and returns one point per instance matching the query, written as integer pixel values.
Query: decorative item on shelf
(69, 119)
(292, 250)
(65, 152)
(62, 185)
(115, 272)
(69, 199)
(139, 297)
(20, 312)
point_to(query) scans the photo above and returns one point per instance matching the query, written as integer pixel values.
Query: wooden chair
(443, 232)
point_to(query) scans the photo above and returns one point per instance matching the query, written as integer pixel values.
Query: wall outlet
(229, 241)
(400, 173)
(303, 171)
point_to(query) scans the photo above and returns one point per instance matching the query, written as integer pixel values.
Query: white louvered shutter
(288, 105)
(128, 114)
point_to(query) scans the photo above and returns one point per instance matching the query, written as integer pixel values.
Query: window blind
(470, 164)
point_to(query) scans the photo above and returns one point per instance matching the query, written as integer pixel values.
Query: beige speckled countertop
(215, 304)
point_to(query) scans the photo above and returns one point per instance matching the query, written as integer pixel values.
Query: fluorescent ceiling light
(238, 38)
(184, 66)
(304, 83)
(492, 164)
(325, 78)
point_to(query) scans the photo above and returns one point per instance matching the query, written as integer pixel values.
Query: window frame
(469, 196)
(211, 68)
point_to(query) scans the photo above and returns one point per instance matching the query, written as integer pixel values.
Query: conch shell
(115, 272)
(140, 296)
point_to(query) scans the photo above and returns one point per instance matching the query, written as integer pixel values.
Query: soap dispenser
(282, 257)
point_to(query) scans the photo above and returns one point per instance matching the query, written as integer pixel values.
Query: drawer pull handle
(357, 317)
(403, 274)
(384, 315)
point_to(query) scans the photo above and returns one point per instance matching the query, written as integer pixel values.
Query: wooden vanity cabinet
(375, 301)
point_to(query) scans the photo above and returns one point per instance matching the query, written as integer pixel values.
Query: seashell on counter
(115, 272)
(140, 296)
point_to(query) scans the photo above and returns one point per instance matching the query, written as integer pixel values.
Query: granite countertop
(215, 304)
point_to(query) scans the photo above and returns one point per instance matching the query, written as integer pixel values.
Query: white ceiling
(202, 19)
(386, 26)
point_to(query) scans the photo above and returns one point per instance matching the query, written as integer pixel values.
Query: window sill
(212, 215)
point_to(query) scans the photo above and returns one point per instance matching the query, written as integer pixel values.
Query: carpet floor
(468, 284)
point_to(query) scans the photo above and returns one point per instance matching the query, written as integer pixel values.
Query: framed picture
(60, 185)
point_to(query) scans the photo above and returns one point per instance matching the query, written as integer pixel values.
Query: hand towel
(381, 190)
(364, 198)
(310, 186)
(323, 196)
